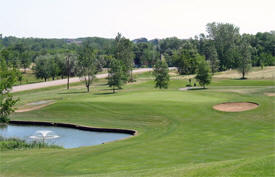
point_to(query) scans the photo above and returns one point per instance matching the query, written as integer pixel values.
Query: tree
(123, 51)
(161, 73)
(266, 59)
(41, 68)
(187, 59)
(25, 60)
(68, 68)
(87, 64)
(116, 76)
(169, 44)
(19, 76)
(149, 57)
(53, 67)
(5, 54)
(7, 80)
(213, 59)
(145, 54)
(225, 37)
(203, 74)
(264, 43)
(61, 62)
(244, 58)
(20, 55)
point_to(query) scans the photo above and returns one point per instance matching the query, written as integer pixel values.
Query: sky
(132, 18)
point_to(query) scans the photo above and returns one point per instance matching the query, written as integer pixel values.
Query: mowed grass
(179, 134)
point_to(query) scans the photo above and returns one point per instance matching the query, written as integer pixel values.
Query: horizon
(149, 39)
(71, 19)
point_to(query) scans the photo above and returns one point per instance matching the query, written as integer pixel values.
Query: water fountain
(44, 135)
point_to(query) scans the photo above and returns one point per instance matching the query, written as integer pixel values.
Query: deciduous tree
(225, 37)
(123, 51)
(203, 74)
(161, 73)
(187, 59)
(41, 68)
(116, 76)
(7, 80)
(244, 64)
(25, 60)
(87, 64)
(53, 67)
(213, 59)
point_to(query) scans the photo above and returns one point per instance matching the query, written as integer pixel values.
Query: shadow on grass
(107, 89)
(68, 93)
(105, 93)
(240, 79)
(101, 84)
(197, 89)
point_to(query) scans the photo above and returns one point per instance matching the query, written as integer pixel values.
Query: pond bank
(79, 127)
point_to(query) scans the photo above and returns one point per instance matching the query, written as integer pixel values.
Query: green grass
(179, 134)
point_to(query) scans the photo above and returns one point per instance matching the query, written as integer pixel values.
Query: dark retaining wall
(131, 132)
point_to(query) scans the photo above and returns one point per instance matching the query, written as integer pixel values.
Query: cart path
(25, 87)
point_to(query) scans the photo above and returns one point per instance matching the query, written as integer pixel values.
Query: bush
(16, 144)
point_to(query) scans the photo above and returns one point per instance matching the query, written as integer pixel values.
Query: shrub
(16, 144)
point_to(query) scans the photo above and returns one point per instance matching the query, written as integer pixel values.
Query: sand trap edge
(225, 107)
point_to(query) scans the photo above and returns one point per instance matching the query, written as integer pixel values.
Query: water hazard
(65, 137)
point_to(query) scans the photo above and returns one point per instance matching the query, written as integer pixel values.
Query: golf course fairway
(179, 132)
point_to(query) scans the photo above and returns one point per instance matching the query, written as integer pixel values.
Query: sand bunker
(235, 106)
(35, 106)
(269, 94)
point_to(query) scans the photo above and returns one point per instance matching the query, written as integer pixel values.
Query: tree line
(220, 46)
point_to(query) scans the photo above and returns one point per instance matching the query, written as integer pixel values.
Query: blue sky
(132, 18)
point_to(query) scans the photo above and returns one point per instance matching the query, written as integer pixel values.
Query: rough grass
(179, 134)
(267, 72)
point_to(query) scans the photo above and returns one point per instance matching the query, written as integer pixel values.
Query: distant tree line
(222, 47)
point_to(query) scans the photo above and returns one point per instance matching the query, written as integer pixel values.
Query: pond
(61, 136)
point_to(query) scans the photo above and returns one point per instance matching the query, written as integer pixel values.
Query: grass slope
(179, 134)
